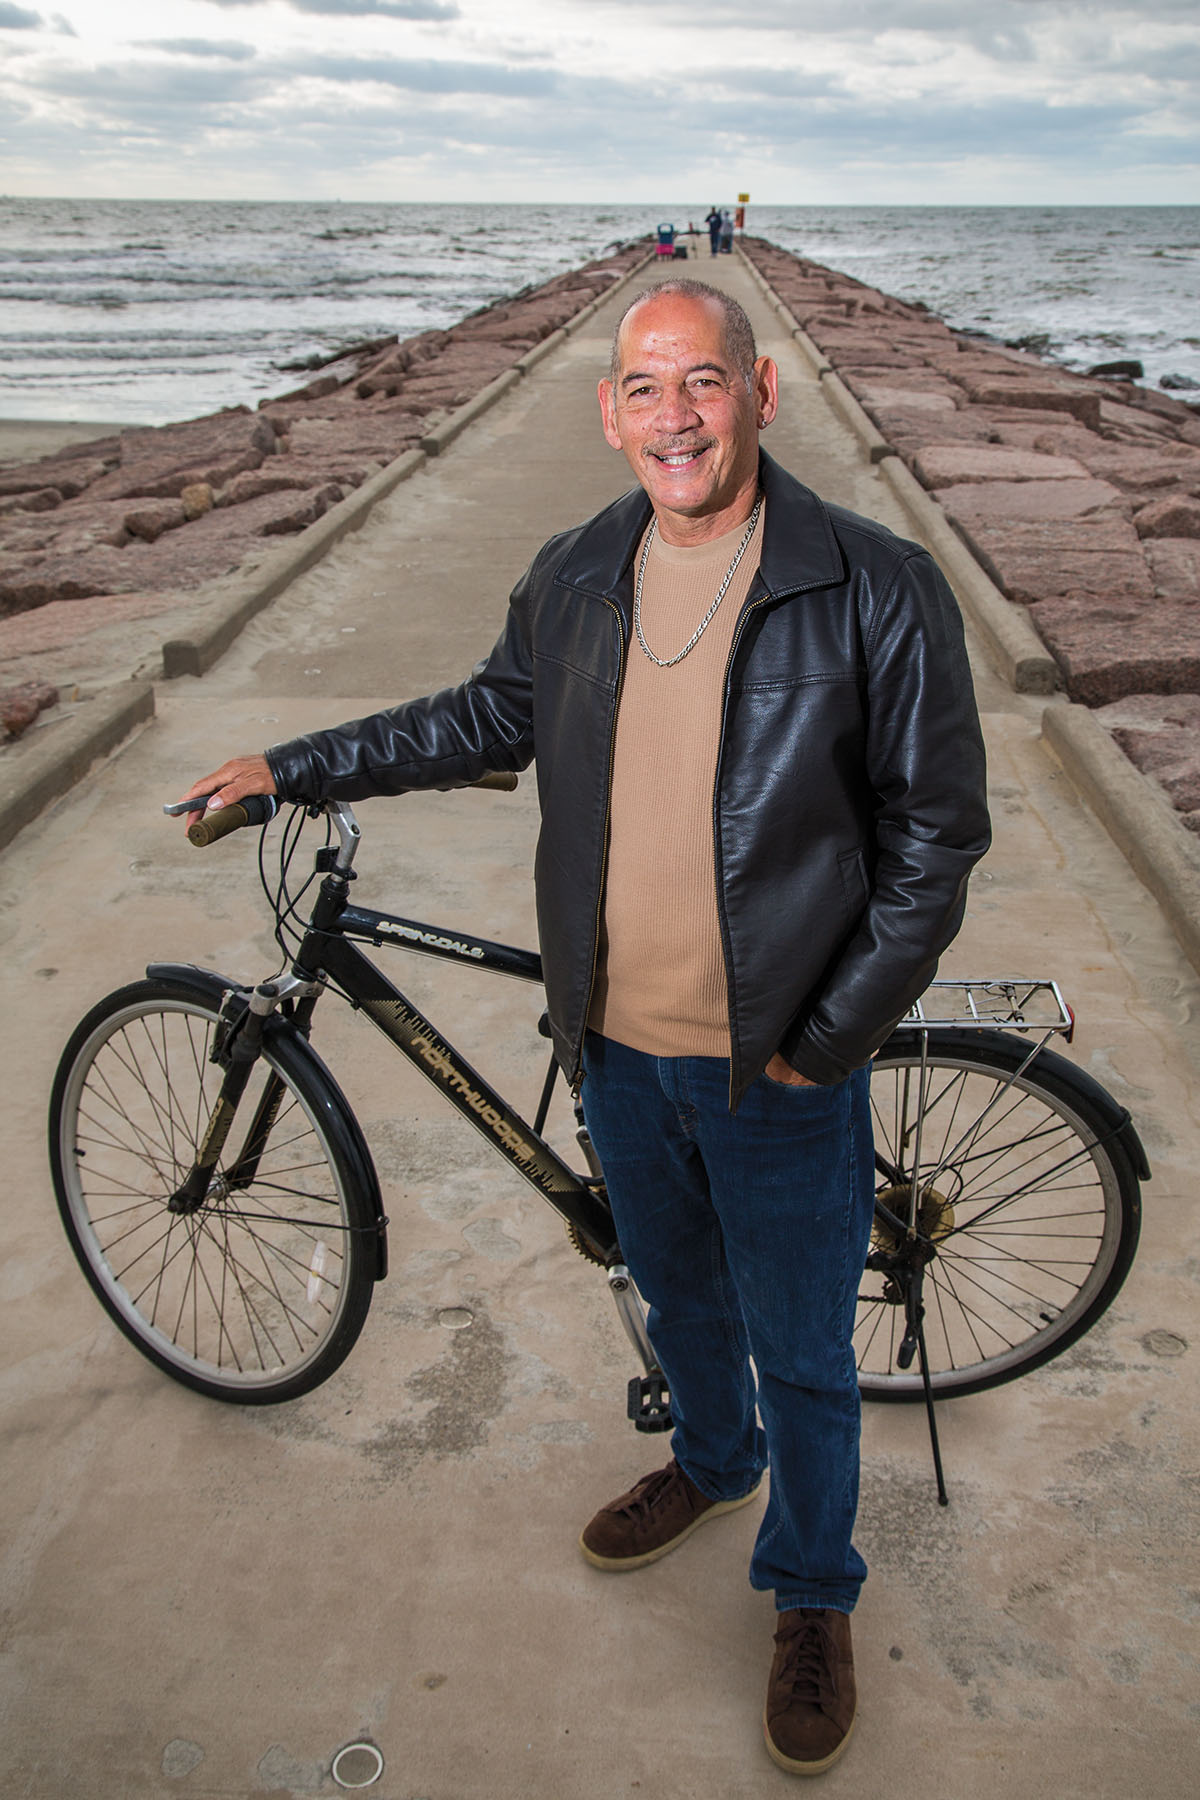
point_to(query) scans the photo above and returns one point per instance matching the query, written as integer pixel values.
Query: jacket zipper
(733, 649)
(577, 1073)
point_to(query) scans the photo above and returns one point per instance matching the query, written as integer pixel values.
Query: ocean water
(146, 311)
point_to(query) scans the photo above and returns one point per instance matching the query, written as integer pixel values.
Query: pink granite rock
(150, 520)
(68, 475)
(71, 532)
(1132, 424)
(1066, 499)
(1174, 518)
(1044, 396)
(1032, 560)
(32, 500)
(251, 484)
(1142, 469)
(304, 509)
(61, 624)
(946, 465)
(908, 429)
(32, 583)
(1160, 734)
(20, 705)
(1107, 650)
(911, 395)
(1175, 565)
(501, 331)
(158, 462)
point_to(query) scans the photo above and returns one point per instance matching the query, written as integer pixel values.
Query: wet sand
(22, 440)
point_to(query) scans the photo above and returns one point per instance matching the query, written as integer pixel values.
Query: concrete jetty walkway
(210, 1601)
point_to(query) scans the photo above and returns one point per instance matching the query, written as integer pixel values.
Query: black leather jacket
(849, 805)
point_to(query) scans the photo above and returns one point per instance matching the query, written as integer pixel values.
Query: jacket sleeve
(925, 766)
(445, 740)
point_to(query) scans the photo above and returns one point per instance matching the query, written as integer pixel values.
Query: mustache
(680, 446)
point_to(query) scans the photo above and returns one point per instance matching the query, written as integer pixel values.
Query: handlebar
(503, 780)
(257, 809)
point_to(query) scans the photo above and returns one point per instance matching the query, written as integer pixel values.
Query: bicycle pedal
(649, 1403)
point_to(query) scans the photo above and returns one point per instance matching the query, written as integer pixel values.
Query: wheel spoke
(261, 1287)
(1022, 1208)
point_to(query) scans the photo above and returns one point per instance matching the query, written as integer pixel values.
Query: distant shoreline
(24, 440)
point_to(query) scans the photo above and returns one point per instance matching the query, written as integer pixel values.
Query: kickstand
(943, 1496)
(914, 1339)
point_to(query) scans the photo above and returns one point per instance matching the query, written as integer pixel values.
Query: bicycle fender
(216, 986)
(1049, 1063)
(213, 987)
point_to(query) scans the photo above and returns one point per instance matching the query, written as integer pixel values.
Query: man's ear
(766, 389)
(608, 413)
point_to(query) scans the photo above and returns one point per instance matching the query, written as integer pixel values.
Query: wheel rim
(246, 1290)
(1028, 1225)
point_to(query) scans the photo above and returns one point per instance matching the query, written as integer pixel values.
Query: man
(761, 780)
(713, 220)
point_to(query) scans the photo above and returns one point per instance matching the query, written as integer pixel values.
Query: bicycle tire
(258, 1296)
(1030, 1193)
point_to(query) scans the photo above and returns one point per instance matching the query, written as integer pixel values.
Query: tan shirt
(660, 978)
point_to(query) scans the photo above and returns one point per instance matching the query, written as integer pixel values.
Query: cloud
(430, 76)
(850, 100)
(439, 10)
(19, 18)
(131, 90)
(227, 48)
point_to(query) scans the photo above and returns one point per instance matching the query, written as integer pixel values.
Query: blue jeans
(747, 1235)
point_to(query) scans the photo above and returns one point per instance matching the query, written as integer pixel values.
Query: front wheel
(1027, 1202)
(257, 1293)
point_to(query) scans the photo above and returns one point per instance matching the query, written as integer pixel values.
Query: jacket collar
(799, 550)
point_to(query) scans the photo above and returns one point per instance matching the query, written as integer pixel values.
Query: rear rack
(1001, 1005)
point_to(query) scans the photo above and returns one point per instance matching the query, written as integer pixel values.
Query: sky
(797, 102)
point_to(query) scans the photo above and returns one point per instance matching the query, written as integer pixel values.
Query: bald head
(738, 331)
(686, 410)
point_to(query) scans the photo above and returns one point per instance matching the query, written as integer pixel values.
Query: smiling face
(685, 416)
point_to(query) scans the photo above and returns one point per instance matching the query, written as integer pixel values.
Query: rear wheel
(1028, 1204)
(259, 1292)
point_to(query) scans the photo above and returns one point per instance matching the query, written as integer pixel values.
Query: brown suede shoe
(657, 1513)
(811, 1697)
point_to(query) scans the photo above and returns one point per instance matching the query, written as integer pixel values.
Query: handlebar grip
(504, 780)
(256, 809)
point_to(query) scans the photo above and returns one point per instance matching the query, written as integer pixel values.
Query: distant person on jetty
(762, 789)
(726, 235)
(713, 221)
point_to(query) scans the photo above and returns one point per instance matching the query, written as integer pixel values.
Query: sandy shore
(23, 440)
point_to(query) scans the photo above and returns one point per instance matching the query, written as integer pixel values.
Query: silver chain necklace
(720, 595)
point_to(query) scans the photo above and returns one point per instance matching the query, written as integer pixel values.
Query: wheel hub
(935, 1216)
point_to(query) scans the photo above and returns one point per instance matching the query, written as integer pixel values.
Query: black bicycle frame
(329, 948)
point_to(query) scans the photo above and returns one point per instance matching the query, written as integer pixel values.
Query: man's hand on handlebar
(234, 780)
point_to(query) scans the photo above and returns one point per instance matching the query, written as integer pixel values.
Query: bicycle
(243, 1261)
